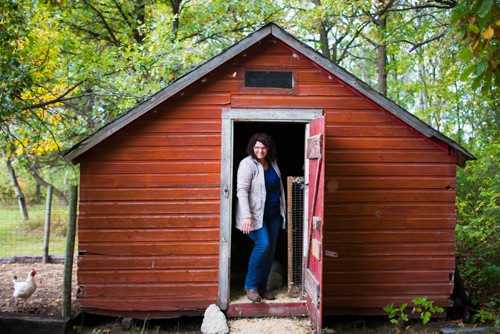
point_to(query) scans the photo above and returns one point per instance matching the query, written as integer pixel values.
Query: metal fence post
(70, 249)
(46, 234)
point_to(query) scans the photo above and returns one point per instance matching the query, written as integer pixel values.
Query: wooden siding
(389, 194)
(149, 214)
(149, 207)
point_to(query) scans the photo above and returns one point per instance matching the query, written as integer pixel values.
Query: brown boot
(269, 295)
(253, 295)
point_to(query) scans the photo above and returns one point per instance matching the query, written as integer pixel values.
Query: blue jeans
(261, 259)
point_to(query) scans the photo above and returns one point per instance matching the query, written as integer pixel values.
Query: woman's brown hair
(266, 140)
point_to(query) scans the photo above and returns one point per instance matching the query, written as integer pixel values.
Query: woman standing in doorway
(260, 212)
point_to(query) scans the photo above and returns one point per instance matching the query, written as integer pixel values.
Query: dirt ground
(47, 300)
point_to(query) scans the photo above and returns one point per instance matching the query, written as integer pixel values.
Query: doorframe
(229, 117)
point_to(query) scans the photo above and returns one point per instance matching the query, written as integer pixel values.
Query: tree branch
(58, 99)
(417, 45)
(105, 23)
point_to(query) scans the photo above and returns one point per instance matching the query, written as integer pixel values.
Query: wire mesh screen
(25, 237)
(22, 249)
(295, 219)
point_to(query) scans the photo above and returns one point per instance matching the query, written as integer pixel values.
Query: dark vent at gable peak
(269, 79)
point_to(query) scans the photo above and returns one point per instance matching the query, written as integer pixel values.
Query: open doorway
(289, 138)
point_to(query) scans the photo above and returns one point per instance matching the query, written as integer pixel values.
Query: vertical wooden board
(315, 153)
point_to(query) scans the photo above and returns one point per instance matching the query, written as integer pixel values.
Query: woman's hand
(245, 228)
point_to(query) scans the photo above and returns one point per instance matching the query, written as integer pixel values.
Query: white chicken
(24, 289)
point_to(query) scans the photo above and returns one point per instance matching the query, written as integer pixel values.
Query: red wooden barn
(155, 233)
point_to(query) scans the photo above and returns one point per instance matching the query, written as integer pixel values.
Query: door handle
(226, 191)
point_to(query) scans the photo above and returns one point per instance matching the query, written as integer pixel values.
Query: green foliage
(484, 316)
(478, 224)
(421, 305)
(425, 308)
(489, 314)
(477, 24)
(397, 314)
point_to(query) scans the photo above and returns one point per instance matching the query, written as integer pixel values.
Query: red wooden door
(313, 274)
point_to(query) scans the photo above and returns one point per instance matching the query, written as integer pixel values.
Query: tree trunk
(323, 35)
(38, 194)
(382, 57)
(17, 188)
(381, 69)
(139, 16)
(323, 38)
(176, 10)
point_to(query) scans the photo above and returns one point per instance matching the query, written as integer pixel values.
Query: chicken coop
(156, 235)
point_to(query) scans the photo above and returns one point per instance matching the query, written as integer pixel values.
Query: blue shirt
(273, 191)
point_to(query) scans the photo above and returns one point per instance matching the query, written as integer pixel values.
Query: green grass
(18, 238)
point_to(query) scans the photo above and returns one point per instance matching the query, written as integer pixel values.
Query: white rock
(214, 321)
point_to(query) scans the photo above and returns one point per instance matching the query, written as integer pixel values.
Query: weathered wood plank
(394, 222)
(157, 290)
(184, 127)
(157, 153)
(335, 183)
(280, 101)
(378, 236)
(316, 76)
(200, 180)
(151, 249)
(150, 167)
(151, 235)
(389, 195)
(389, 276)
(397, 156)
(328, 89)
(388, 263)
(148, 221)
(391, 249)
(386, 289)
(148, 276)
(166, 139)
(174, 112)
(381, 210)
(214, 85)
(148, 194)
(380, 143)
(360, 116)
(146, 262)
(353, 130)
(394, 169)
(195, 98)
(182, 303)
(148, 207)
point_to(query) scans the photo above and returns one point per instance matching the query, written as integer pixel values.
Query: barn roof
(270, 29)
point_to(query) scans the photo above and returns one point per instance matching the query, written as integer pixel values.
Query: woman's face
(259, 150)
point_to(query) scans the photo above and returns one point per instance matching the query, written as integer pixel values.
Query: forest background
(67, 67)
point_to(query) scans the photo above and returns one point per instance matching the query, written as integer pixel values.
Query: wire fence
(25, 238)
(24, 243)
